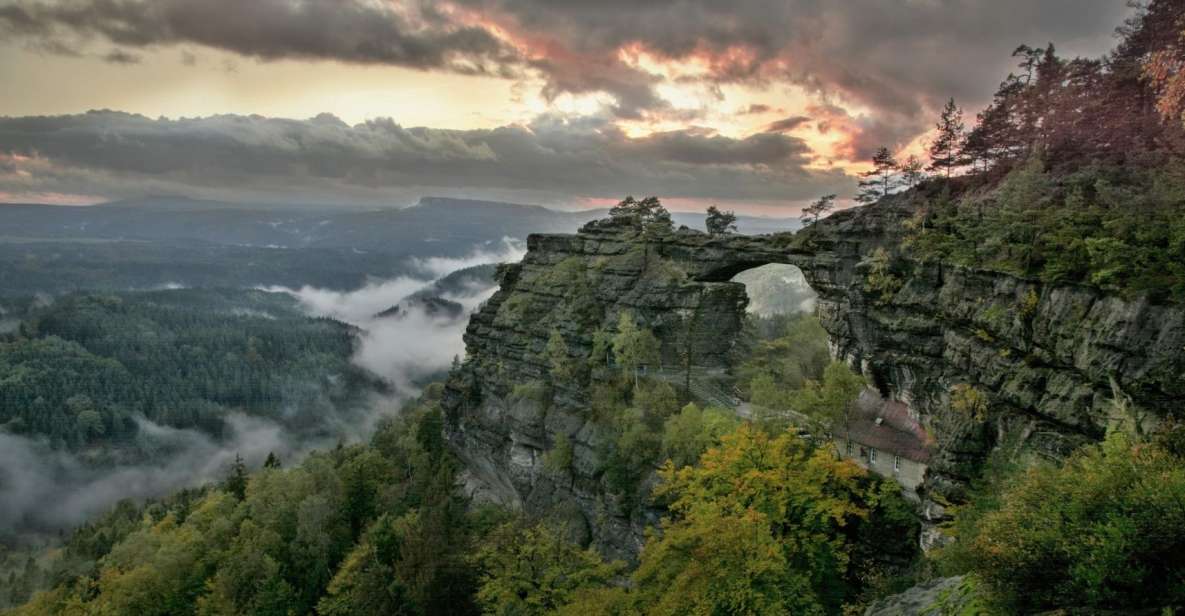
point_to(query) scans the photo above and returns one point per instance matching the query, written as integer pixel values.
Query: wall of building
(908, 473)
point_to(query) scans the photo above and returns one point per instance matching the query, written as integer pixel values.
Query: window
(896, 463)
(871, 456)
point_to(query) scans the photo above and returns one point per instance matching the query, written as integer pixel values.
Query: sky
(755, 105)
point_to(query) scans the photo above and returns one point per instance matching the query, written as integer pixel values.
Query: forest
(1072, 175)
(86, 369)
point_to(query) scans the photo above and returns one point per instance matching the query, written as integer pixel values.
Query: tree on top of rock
(647, 214)
(879, 181)
(720, 222)
(945, 152)
(821, 206)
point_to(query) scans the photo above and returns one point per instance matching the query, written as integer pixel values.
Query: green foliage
(647, 215)
(535, 391)
(791, 350)
(558, 459)
(633, 453)
(634, 347)
(686, 436)
(1106, 529)
(534, 571)
(1115, 227)
(719, 222)
(657, 400)
(763, 525)
(829, 402)
(87, 365)
(881, 280)
(563, 367)
(360, 530)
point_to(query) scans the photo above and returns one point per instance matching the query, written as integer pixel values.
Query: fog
(43, 489)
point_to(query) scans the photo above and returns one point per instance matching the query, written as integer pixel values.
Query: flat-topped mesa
(1045, 355)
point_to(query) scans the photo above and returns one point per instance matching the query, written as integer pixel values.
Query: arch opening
(776, 289)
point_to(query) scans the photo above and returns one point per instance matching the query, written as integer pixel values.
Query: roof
(887, 425)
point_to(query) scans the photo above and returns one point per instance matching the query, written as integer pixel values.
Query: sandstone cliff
(1053, 360)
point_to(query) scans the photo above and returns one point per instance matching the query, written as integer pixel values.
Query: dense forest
(86, 368)
(1073, 174)
(380, 528)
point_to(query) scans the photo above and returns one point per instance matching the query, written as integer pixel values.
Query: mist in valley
(44, 489)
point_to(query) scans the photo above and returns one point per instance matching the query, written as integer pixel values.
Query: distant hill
(435, 225)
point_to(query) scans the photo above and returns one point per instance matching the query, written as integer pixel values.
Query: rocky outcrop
(1052, 359)
(938, 597)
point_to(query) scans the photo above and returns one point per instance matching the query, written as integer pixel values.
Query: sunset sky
(757, 105)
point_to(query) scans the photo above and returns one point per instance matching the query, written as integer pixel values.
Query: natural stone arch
(777, 288)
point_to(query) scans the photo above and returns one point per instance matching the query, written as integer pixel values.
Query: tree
(634, 347)
(1105, 529)
(236, 481)
(556, 351)
(945, 152)
(647, 214)
(763, 525)
(821, 206)
(690, 433)
(272, 460)
(878, 182)
(830, 402)
(913, 171)
(535, 571)
(720, 223)
(602, 348)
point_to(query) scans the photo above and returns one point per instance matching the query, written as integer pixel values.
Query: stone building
(884, 437)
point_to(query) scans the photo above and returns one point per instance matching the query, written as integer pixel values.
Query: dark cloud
(901, 58)
(756, 108)
(406, 34)
(119, 56)
(554, 159)
(786, 124)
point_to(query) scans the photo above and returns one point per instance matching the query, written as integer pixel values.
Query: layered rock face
(1052, 360)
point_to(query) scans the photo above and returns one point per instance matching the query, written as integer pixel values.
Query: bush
(1104, 530)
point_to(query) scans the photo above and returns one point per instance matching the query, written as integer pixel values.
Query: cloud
(119, 56)
(786, 125)
(43, 489)
(46, 489)
(413, 344)
(554, 159)
(902, 59)
(412, 34)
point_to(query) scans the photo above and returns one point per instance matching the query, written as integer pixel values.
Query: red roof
(888, 426)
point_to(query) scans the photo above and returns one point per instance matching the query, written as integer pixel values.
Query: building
(884, 437)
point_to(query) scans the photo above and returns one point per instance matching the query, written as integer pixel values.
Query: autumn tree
(945, 150)
(878, 182)
(762, 525)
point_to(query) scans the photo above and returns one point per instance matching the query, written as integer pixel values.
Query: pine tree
(821, 206)
(912, 172)
(720, 222)
(945, 152)
(879, 181)
(236, 482)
